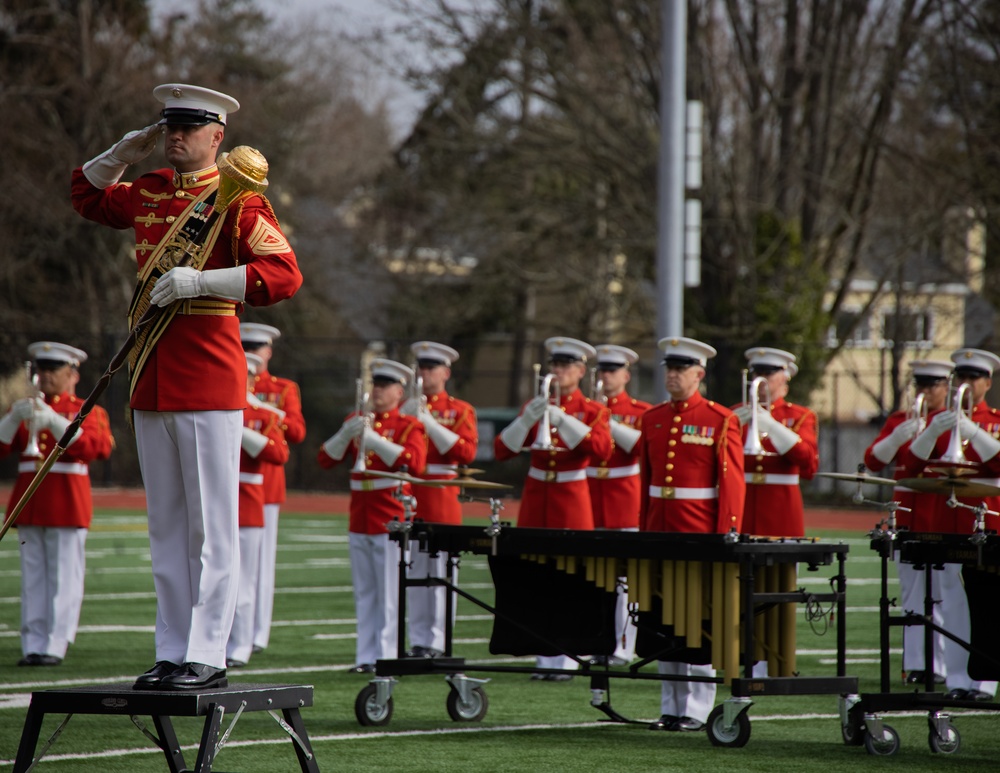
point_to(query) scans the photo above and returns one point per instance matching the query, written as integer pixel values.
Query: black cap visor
(188, 116)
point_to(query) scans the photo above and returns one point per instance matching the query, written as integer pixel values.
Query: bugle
(361, 399)
(955, 453)
(32, 449)
(918, 410)
(754, 444)
(597, 387)
(543, 435)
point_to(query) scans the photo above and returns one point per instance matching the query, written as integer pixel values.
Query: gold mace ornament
(242, 171)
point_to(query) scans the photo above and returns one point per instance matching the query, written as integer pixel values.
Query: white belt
(254, 478)
(66, 468)
(373, 485)
(669, 492)
(551, 476)
(613, 472)
(772, 478)
(441, 469)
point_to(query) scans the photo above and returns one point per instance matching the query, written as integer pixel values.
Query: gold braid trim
(235, 244)
(723, 441)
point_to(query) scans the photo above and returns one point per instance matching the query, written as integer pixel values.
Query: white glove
(105, 170)
(781, 437)
(923, 444)
(19, 412)
(442, 437)
(985, 444)
(254, 402)
(46, 418)
(411, 407)
(743, 414)
(254, 442)
(336, 445)
(386, 450)
(886, 449)
(186, 282)
(571, 429)
(514, 434)
(625, 437)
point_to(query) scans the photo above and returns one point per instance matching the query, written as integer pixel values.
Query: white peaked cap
(616, 355)
(430, 350)
(980, 359)
(933, 368)
(391, 369)
(256, 333)
(193, 105)
(50, 350)
(560, 346)
(769, 357)
(254, 363)
(686, 349)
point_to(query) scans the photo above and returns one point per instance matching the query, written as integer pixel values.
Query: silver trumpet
(543, 436)
(597, 387)
(918, 410)
(754, 445)
(32, 448)
(361, 399)
(955, 453)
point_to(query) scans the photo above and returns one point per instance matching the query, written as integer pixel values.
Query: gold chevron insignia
(265, 239)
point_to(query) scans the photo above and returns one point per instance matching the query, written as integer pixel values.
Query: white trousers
(52, 569)
(265, 577)
(425, 606)
(912, 589)
(687, 699)
(240, 645)
(375, 574)
(190, 464)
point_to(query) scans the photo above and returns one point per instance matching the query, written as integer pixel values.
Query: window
(910, 326)
(850, 328)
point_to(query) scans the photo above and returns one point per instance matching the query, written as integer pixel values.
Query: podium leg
(209, 738)
(29, 738)
(169, 743)
(307, 759)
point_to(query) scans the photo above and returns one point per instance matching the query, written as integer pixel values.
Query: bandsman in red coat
(979, 434)
(52, 527)
(556, 494)
(386, 441)
(930, 385)
(263, 445)
(283, 395)
(614, 483)
(787, 435)
(691, 456)
(452, 440)
(188, 374)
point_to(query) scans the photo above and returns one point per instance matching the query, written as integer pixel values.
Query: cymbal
(858, 477)
(953, 469)
(464, 472)
(472, 483)
(400, 476)
(946, 486)
(450, 482)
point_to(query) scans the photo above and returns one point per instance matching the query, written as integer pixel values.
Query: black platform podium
(214, 705)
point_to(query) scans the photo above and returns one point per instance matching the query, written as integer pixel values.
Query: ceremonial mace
(241, 172)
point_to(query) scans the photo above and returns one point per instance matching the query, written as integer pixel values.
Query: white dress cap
(256, 333)
(254, 363)
(680, 349)
(768, 357)
(189, 105)
(569, 349)
(50, 350)
(932, 368)
(978, 359)
(612, 354)
(430, 350)
(390, 369)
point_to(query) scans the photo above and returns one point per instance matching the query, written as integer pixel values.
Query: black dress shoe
(688, 725)
(233, 663)
(559, 677)
(666, 722)
(257, 649)
(152, 678)
(918, 677)
(38, 659)
(958, 694)
(978, 695)
(195, 676)
(362, 668)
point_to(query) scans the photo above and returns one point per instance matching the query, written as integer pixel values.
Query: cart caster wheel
(367, 709)
(473, 711)
(854, 731)
(885, 746)
(944, 744)
(735, 736)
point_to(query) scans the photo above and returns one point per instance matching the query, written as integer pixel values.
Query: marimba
(730, 597)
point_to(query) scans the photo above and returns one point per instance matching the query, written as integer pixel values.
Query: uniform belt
(669, 492)
(441, 469)
(66, 468)
(253, 478)
(373, 485)
(210, 308)
(602, 473)
(772, 478)
(553, 476)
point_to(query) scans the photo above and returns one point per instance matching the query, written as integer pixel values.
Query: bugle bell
(918, 410)
(32, 449)
(955, 453)
(361, 399)
(754, 444)
(543, 436)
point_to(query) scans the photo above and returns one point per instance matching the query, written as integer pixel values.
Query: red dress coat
(690, 447)
(198, 363)
(960, 520)
(921, 505)
(774, 508)
(548, 502)
(252, 476)
(372, 502)
(63, 499)
(441, 505)
(614, 496)
(282, 393)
